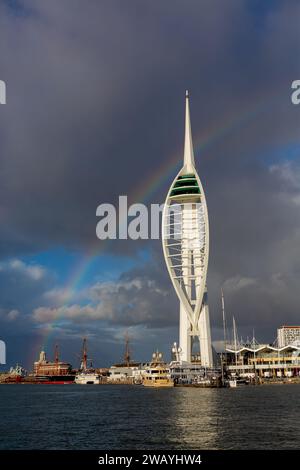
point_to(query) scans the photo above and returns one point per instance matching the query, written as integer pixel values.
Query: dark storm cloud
(97, 91)
(95, 105)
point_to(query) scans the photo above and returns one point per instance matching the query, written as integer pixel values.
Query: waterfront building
(185, 235)
(264, 360)
(287, 335)
(123, 373)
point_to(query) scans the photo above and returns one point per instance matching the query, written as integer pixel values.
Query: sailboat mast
(254, 352)
(224, 319)
(235, 342)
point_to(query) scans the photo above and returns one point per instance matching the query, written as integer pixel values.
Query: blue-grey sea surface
(107, 417)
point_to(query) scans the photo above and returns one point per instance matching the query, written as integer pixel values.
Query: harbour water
(133, 417)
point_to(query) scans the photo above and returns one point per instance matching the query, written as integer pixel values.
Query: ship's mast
(56, 354)
(56, 357)
(127, 350)
(84, 355)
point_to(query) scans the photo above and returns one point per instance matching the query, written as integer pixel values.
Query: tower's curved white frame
(185, 235)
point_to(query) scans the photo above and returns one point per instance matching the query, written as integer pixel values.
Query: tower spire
(189, 161)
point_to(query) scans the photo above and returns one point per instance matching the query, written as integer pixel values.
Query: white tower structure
(185, 234)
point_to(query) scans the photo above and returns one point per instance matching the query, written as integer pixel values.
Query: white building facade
(288, 335)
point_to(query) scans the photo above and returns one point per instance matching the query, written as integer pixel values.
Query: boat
(87, 378)
(85, 375)
(50, 379)
(237, 382)
(157, 374)
(15, 375)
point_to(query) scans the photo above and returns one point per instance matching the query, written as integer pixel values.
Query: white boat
(233, 383)
(85, 375)
(87, 378)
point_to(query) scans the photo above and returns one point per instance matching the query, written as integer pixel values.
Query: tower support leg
(184, 335)
(185, 338)
(205, 336)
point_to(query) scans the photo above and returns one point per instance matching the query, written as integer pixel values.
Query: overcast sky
(95, 109)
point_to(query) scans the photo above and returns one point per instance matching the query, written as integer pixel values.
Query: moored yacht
(157, 374)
